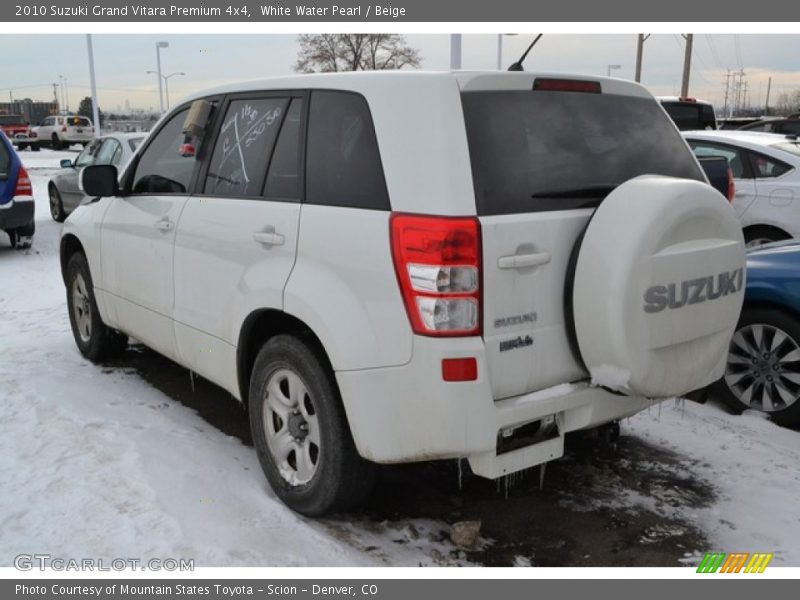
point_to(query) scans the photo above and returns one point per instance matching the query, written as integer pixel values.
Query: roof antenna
(517, 66)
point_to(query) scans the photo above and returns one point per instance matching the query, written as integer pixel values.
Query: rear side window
(343, 165)
(541, 150)
(241, 154)
(691, 116)
(283, 177)
(765, 167)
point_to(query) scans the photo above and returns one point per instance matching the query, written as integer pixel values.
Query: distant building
(33, 112)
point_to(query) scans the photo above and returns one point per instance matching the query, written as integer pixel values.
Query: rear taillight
(24, 187)
(438, 266)
(731, 186)
(63, 129)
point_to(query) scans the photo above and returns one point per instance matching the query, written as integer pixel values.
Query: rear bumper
(408, 413)
(16, 213)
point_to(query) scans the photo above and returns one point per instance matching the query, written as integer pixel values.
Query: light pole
(612, 67)
(159, 46)
(166, 82)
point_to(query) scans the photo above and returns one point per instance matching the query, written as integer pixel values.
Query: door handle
(521, 261)
(165, 225)
(269, 238)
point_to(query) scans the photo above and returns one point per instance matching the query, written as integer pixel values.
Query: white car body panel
(186, 290)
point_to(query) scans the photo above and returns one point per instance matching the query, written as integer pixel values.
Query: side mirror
(66, 163)
(99, 181)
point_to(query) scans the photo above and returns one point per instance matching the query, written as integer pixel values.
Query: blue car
(16, 197)
(763, 369)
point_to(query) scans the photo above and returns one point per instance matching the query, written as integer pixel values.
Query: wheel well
(765, 304)
(69, 246)
(776, 231)
(257, 329)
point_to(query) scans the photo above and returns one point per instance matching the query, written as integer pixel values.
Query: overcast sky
(122, 61)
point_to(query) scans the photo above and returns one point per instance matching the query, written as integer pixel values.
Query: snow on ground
(95, 462)
(99, 464)
(753, 464)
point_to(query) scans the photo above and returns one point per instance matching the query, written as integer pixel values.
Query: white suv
(395, 267)
(61, 131)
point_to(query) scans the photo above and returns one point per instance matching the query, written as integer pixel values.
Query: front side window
(343, 164)
(238, 165)
(163, 168)
(737, 161)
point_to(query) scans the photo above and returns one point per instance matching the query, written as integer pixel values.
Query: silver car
(113, 149)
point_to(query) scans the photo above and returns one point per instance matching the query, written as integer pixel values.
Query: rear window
(529, 150)
(691, 116)
(790, 147)
(79, 122)
(12, 120)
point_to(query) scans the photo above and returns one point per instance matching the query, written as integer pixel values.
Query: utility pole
(455, 51)
(766, 104)
(687, 64)
(95, 107)
(726, 106)
(639, 50)
(55, 93)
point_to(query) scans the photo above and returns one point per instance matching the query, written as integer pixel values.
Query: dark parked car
(763, 370)
(785, 126)
(16, 197)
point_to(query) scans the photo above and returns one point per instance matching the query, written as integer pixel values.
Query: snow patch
(610, 377)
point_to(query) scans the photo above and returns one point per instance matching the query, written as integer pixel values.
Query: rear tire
(763, 364)
(21, 238)
(94, 340)
(758, 236)
(300, 431)
(56, 205)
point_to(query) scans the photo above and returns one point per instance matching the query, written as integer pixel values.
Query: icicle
(505, 482)
(460, 473)
(542, 468)
(191, 379)
(659, 412)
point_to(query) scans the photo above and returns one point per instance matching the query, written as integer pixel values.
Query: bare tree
(328, 53)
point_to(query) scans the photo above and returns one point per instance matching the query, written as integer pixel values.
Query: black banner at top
(388, 11)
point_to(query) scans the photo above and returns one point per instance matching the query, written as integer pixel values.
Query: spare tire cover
(658, 287)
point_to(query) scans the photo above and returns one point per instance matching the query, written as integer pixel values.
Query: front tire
(56, 205)
(94, 340)
(763, 367)
(301, 433)
(758, 236)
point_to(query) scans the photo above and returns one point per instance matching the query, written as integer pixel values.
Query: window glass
(5, 160)
(162, 168)
(134, 143)
(534, 151)
(87, 155)
(247, 134)
(283, 177)
(734, 157)
(108, 151)
(765, 167)
(343, 165)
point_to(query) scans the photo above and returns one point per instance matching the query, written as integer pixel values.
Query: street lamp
(612, 67)
(166, 82)
(159, 46)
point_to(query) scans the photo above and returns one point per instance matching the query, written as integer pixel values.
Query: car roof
(373, 81)
(754, 138)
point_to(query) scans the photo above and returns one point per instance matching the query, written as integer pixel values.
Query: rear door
(542, 160)
(237, 237)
